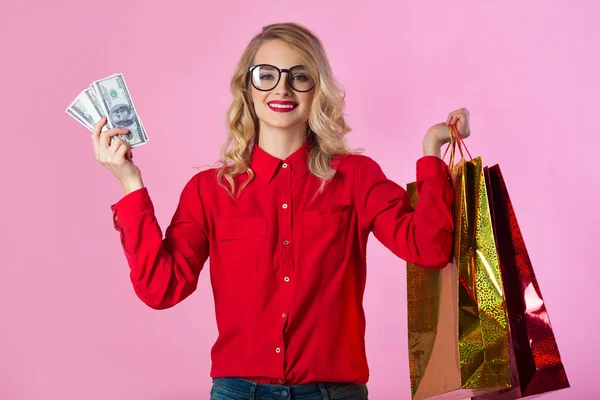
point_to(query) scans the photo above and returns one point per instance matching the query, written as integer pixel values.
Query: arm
(432, 146)
(163, 271)
(423, 236)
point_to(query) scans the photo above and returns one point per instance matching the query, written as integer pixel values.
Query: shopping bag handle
(455, 140)
(460, 141)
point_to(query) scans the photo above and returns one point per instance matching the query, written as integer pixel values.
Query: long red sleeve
(163, 271)
(423, 236)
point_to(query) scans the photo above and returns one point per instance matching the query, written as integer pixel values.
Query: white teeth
(281, 106)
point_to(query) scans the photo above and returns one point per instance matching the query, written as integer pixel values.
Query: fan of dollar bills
(109, 97)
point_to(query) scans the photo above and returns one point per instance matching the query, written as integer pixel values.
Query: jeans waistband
(324, 390)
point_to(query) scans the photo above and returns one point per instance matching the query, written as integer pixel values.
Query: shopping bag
(534, 353)
(457, 323)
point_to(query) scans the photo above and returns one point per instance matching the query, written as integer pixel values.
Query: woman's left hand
(441, 131)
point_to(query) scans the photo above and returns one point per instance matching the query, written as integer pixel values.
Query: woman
(285, 219)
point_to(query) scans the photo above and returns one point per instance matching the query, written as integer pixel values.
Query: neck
(280, 142)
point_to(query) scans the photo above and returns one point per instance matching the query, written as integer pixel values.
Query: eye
(300, 77)
(267, 77)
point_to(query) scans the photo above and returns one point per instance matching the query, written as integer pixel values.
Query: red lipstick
(282, 106)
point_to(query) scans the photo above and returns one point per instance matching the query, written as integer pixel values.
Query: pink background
(71, 326)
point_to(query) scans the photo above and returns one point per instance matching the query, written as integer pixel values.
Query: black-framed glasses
(265, 77)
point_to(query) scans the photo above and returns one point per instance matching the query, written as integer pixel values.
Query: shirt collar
(266, 166)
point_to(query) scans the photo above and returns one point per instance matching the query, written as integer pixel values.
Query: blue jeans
(242, 389)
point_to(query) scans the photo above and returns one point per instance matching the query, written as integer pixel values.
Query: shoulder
(352, 163)
(203, 180)
(358, 170)
(208, 179)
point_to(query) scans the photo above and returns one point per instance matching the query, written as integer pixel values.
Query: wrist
(132, 185)
(432, 145)
(441, 138)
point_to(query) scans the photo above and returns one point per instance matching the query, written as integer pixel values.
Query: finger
(121, 152)
(123, 149)
(119, 146)
(113, 150)
(106, 141)
(96, 132)
(462, 128)
(449, 119)
(98, 126)
(106, 135)
(452, 116)
(115, 144)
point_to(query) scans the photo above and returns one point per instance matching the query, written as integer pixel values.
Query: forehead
(279, 54)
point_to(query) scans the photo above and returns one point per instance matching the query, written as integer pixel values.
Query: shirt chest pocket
(324, 235)
(241, 243)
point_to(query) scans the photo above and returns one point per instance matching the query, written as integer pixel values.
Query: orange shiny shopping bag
(457, 321)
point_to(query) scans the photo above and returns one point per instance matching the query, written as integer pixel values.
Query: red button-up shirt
(287, 270)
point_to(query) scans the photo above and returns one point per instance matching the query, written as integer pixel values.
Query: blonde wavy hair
(326, 125)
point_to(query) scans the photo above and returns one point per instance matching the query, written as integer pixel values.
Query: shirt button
(278, 350)
(283, 315)
(284, 206)
(287, 279)
(116, 218)
(280, 380)
(284, 165)
(286, 242)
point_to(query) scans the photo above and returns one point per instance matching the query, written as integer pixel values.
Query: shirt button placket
(285, 230)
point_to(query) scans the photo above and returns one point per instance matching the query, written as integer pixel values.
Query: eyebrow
(299, 66)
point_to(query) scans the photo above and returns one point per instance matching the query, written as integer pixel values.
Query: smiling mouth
(282, 107)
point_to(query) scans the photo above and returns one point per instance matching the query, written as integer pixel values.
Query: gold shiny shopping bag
(457, 324)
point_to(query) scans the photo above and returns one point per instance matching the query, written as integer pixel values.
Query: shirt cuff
(431, 167)
(131, 204)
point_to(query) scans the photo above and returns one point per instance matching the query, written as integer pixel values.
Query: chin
(281, 126)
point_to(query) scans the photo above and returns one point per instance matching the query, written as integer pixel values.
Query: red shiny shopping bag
(536, 366)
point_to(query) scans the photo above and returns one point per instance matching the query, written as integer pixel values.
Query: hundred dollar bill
(83, 110)
(89, 99)
(77, 118)
(116, 103)
(79, 112)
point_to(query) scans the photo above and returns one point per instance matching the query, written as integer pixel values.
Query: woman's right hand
(116, 156)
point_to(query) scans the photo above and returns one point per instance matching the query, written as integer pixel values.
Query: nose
(283, 86)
